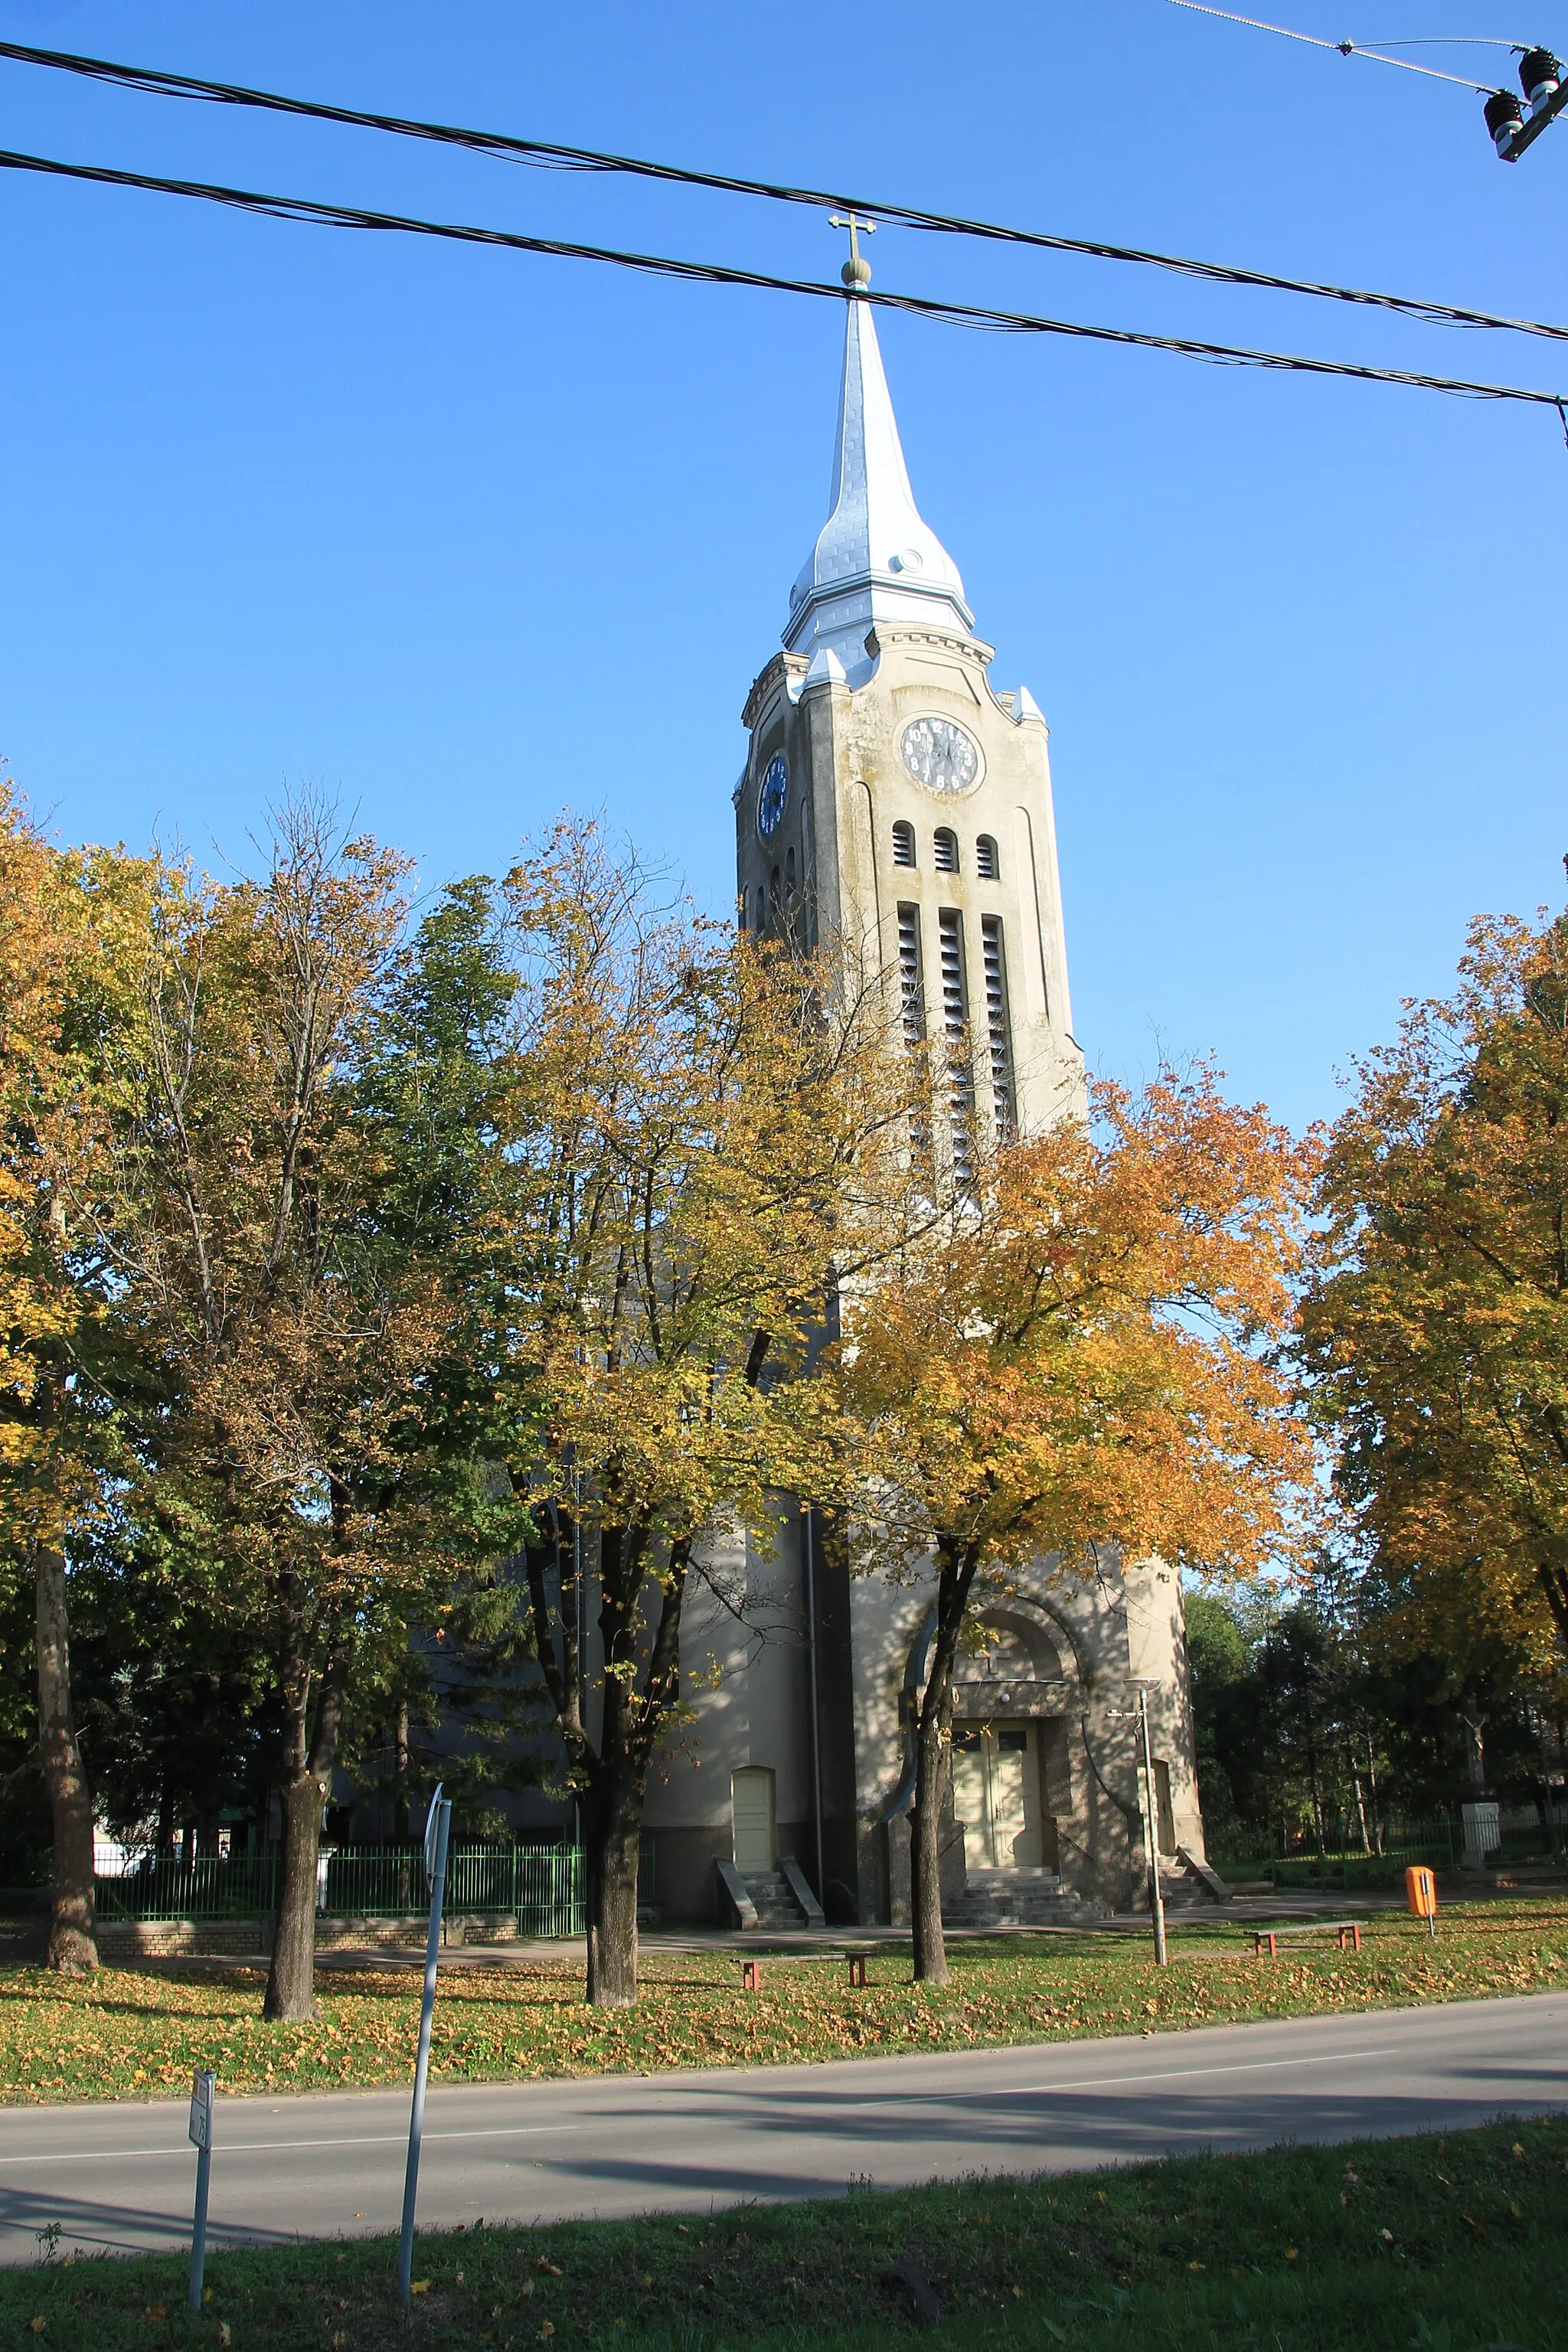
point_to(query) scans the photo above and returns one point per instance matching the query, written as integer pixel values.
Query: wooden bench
(751, 1968)
(1340, 1928)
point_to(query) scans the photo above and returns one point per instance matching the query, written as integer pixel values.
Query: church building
(893, 796)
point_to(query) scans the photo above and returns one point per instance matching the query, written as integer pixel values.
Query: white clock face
(939, 754)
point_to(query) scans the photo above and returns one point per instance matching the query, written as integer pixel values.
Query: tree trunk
(925, 1857)
(615, 1835)
(291, 1978)
(956, 1568)
(73, 1927)
(400, 1770)
(307, 1784)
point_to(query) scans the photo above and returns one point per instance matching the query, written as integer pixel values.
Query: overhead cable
(958, 314)
(1349, 48)
(546, 156)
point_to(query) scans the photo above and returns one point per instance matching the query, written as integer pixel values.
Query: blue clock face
(772, 797)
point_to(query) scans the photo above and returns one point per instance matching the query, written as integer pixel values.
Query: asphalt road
(120, 2178)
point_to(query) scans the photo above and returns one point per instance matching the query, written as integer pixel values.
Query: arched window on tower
(987, 864)
(955, 1028)
(911, 993)
(789, 872)
(998, 1028)
(903, 844)
(944, 850)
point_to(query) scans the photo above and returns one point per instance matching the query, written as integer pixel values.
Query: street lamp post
(1152, 1825)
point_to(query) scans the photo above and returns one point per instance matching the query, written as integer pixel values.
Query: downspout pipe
(815, 1702)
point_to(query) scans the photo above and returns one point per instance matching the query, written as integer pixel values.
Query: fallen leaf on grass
(419, 2287)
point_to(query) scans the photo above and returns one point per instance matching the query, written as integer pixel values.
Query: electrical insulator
(1539, 77)
(1504, 116)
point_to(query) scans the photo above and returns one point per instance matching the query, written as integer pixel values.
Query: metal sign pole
(201, 2132)
(436, 1829)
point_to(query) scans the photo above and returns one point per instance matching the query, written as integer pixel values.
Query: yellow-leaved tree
(691, 1151)
(67, 996)
(287, 1322)
(1436, 1327)
(1084, 1352)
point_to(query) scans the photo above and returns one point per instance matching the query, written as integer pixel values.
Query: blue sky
(463, 537)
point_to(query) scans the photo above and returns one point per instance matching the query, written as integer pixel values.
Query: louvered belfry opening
(955, 1029)
(911, 996)
(903, 844)
(987, 863)
(997, 1027)
(944, 850)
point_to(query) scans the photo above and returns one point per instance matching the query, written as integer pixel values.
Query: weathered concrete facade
(893, 799)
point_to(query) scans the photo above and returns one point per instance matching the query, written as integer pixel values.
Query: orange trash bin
(1421, 1894)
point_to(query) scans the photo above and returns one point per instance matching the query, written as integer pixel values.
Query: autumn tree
(1436, 1327)
(65, 919)
(693, 1117)
(291, 1317)
(1081, 1353)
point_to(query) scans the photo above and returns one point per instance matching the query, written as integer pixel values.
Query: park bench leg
(856, 1968)
(751, 1971)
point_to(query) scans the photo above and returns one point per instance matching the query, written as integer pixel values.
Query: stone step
(1010, 1878)
(774, 1904)
(1014, 1898)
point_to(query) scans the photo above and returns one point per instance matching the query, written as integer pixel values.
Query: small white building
(893, 796)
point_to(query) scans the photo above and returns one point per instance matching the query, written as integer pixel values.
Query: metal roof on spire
(876, 560)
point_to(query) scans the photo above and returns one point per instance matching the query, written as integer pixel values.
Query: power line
(960, 314)
(545, 155)
(1347, 48)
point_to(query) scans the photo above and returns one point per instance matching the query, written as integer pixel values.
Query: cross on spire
(857, 271)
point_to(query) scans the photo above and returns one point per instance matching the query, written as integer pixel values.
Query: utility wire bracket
(1511, 128)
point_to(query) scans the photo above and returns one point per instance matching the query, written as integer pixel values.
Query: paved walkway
(120, 2178)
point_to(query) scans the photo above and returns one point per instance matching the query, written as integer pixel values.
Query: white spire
(876, 560)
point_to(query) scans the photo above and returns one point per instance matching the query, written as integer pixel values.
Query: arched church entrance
(1008, 1738)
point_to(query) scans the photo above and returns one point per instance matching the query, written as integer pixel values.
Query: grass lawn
(1452, 2244)
(139, 2034)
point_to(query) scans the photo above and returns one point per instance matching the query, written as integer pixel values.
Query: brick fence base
(252, 1939)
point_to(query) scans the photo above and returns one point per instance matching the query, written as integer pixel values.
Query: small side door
(752, 1816)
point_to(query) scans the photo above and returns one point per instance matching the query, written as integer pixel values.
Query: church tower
(895, 800)
(892, 798)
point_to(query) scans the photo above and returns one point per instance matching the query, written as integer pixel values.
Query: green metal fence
(1293, 1855)
(540, 1885)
